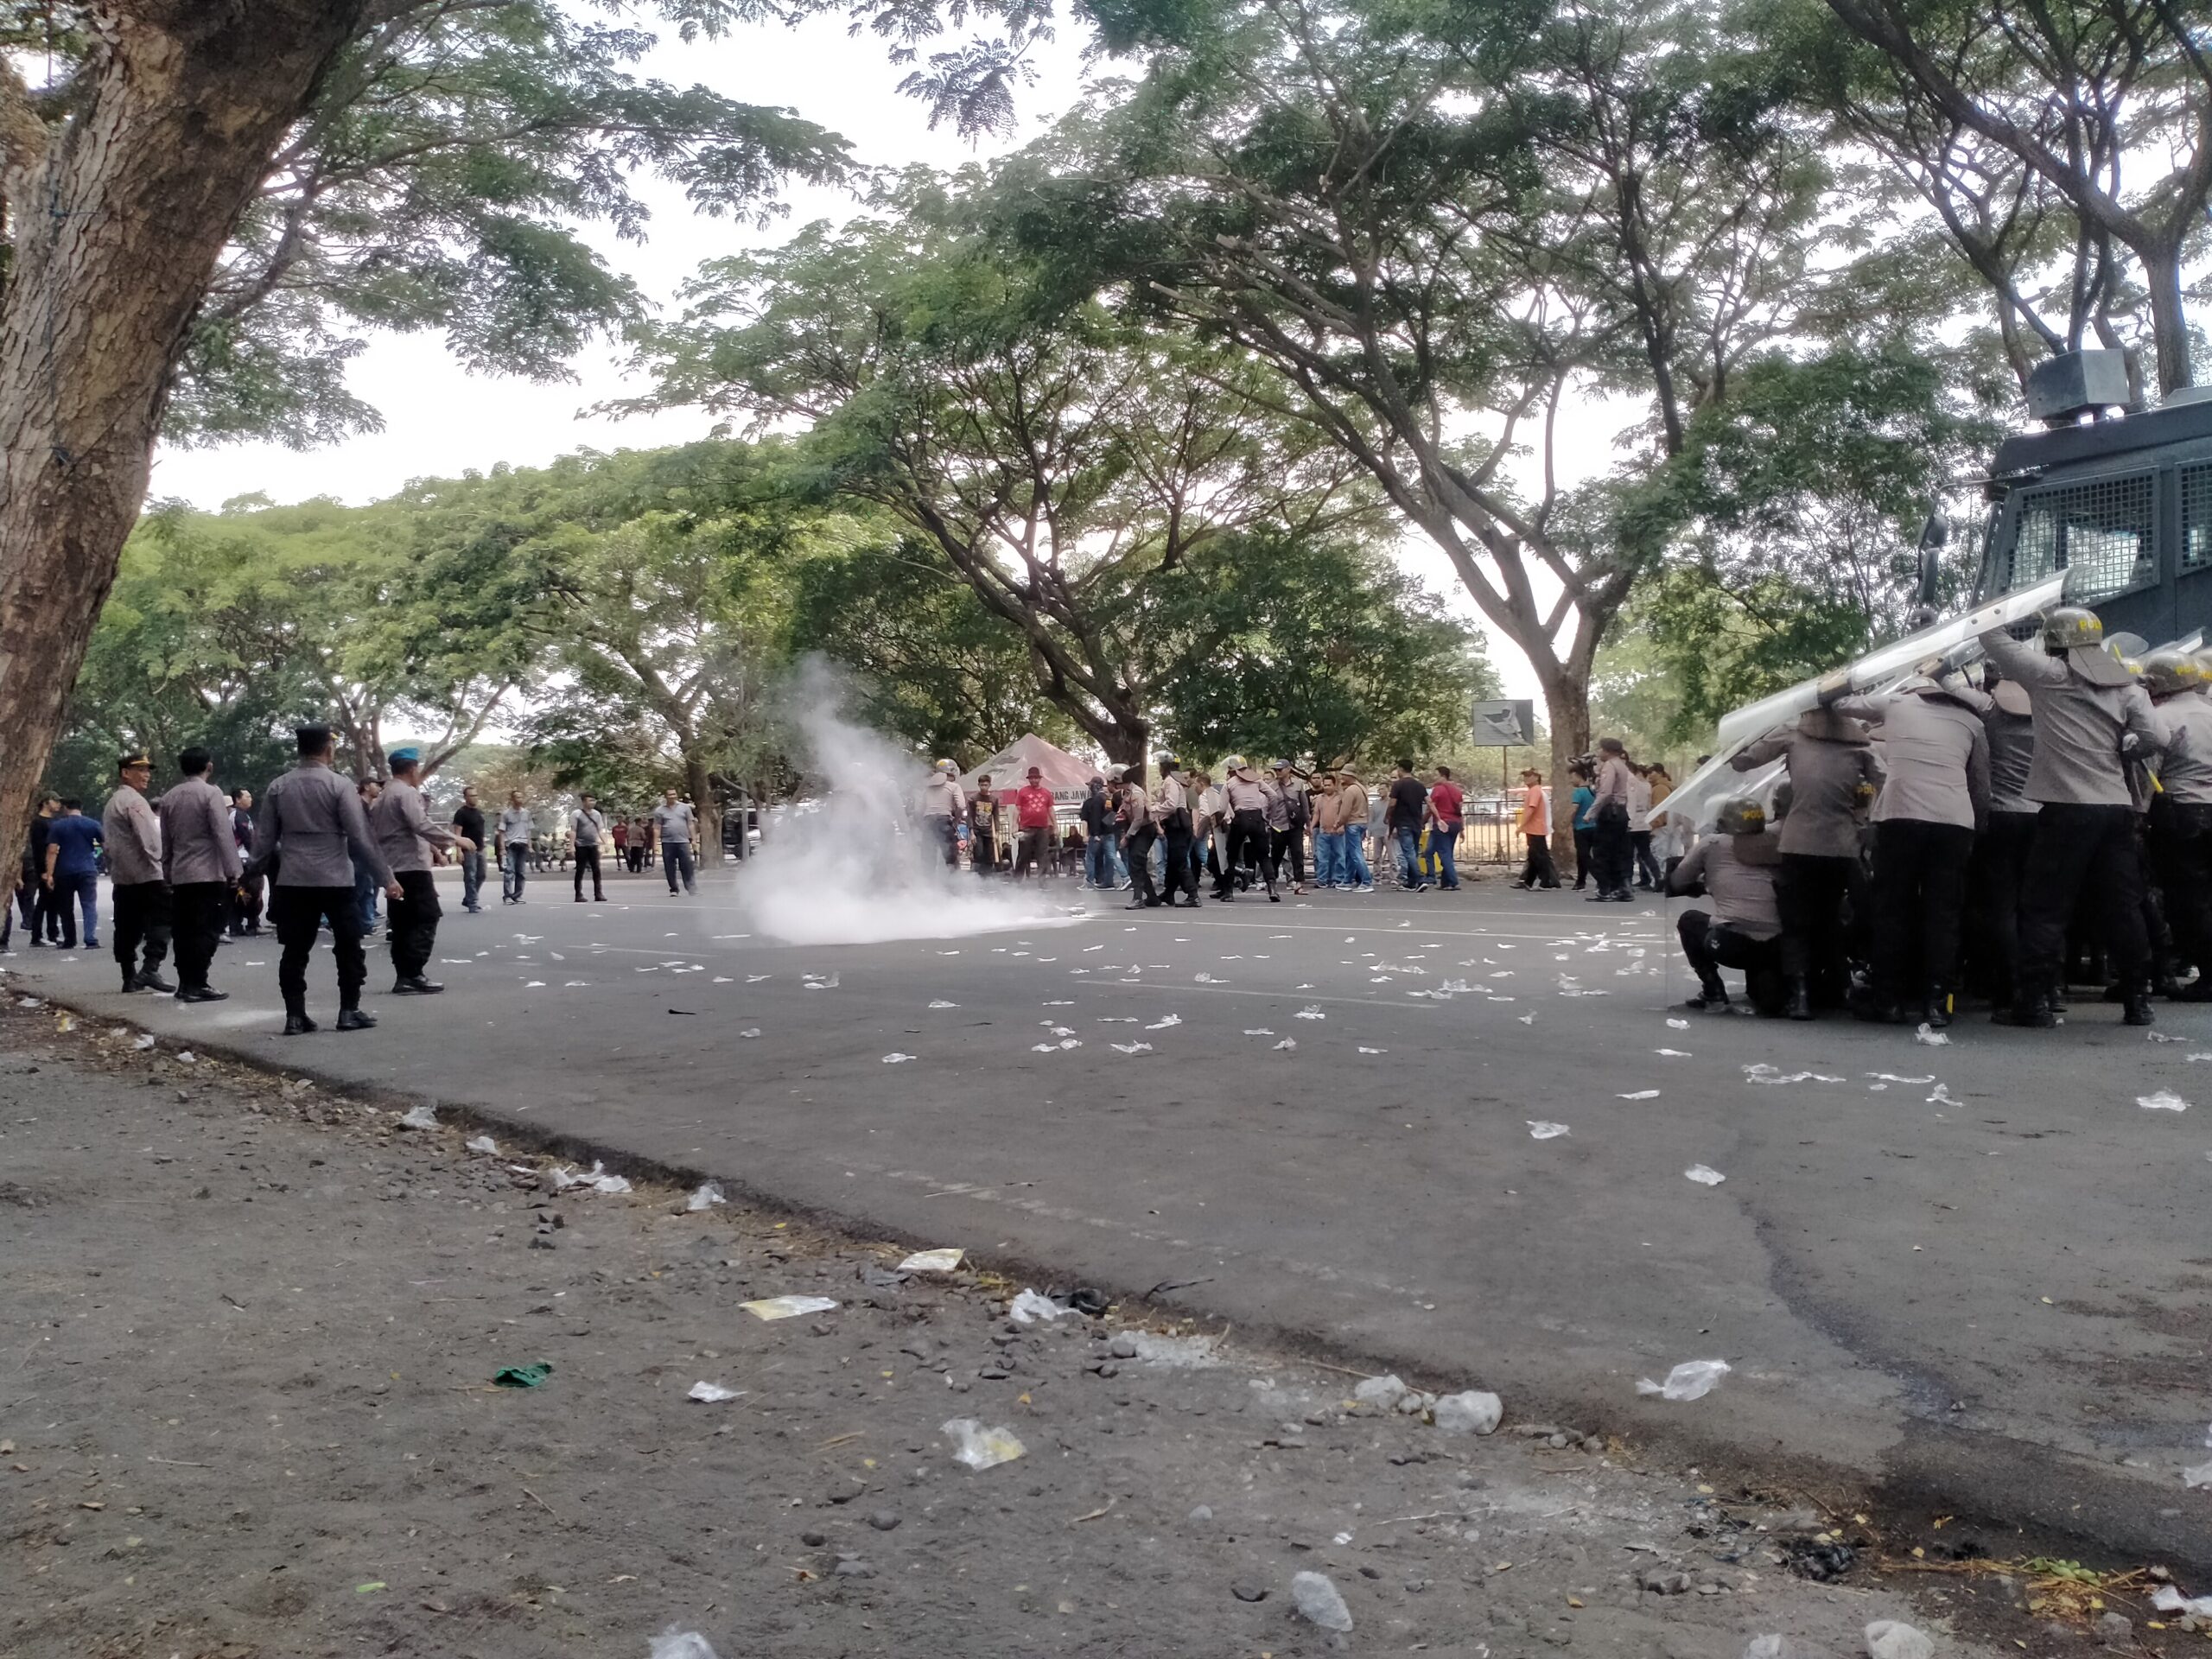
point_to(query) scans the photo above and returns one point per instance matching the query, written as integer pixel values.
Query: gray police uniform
(200, 855)
(311, 828)
(2091, 718)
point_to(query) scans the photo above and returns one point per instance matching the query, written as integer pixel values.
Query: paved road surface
(1978, 1272)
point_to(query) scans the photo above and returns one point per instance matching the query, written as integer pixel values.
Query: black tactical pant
(1139, 848)
(1712, 945)
(1181, 878)
(2181, 847)
(412, 923)
(200, 908)
(1248, 844)
(588, 858)
(298, 911)
(2084, 853)
(1919, 893)
(2000, 865)
(1291, 842)
(142, 917)
(1810, 892)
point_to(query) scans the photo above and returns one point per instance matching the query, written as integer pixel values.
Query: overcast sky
(439, 420)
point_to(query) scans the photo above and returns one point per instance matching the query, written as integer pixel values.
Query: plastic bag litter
(142, 1044)
(1704, 1175)
(750, 1031)
(2162, 1037)
(1028, 1308)
(1641, 1093)
(419, 1117)
(895, 1059)
(2200, 1476)
(1383, 1391)
(1933, 1038)
(2167, 1599)
(483, 1143)
(1164, 1021)
(1541, 1131)
(1312, 1011)
(1318, 1602)
(709, 1195)
(676, 1643)
(1288, 1042)
(932, 1261)
(1691, 1380)
(1132, 1048)
(942, 1003)
(1673, 1054)
(712, 1393)
(787, 1307)
(982, 1448)
(2165, 1101)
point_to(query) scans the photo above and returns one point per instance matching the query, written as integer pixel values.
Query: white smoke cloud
(857, 870)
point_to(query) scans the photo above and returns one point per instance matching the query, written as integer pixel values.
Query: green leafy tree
(1302, 646)
(2064, 146)
(1063, 460)
(208, 200)
(1788, 521)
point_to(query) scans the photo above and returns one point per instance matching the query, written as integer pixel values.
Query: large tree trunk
(1567, 709)
(118, 222)
(2169, 322)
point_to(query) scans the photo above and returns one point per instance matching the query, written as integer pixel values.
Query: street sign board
(1510, 723)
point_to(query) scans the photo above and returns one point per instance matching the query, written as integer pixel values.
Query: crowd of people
(1250, 829)
(315, 853)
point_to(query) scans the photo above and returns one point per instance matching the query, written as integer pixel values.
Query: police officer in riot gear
(2092, 720)
(1736, 868)
(2181, 812)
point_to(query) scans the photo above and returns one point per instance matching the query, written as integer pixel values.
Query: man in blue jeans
(1099, 835)
(73, 871)
(1447, 817)
(1409, 800)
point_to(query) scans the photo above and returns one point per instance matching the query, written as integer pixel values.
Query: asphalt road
(1975, 1274)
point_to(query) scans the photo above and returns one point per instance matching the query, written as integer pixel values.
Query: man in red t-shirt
(1446, 807)
(1032, 807)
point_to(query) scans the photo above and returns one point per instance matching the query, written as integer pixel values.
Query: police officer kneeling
(2092, 721)
(1736, 867)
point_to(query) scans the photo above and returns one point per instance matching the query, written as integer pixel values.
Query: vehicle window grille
(2100, 533)
(2196, 516)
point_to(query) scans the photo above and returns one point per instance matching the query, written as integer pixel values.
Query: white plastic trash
(1691, 1380)
(1319, 1602)
(485, 1144)
(1934, 1038)
(1028, 1308)
(419, 1117)
(982, 1448)
(1704, 1175)
(712, 1393)
(1383, 1391)
(675, 1642)
(1540, 1131)
(787, 1307)
(709, 1195)
(2200, 1476)
(2165, 1101)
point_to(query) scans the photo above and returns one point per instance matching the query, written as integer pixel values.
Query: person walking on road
(405, 833)
(1171, 808)
(1582, 822)
(200, 859)
(1288, 815)
(1139, 831)
(1033, 813)
(43, 917)
(1099, 834)
(586, 830)
(984, 828)
(312, 830)
(674, 819)
(1447, 814)
(364, 879)
(133, 838)
(246, 894)
(1535, 821)
(73, 871)
(1356, 810)
(1409, 802)
(516, 828)
(1608, 815)
(1245, 800)
(468, 826)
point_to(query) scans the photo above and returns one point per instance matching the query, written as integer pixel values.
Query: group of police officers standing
(2068, 794)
